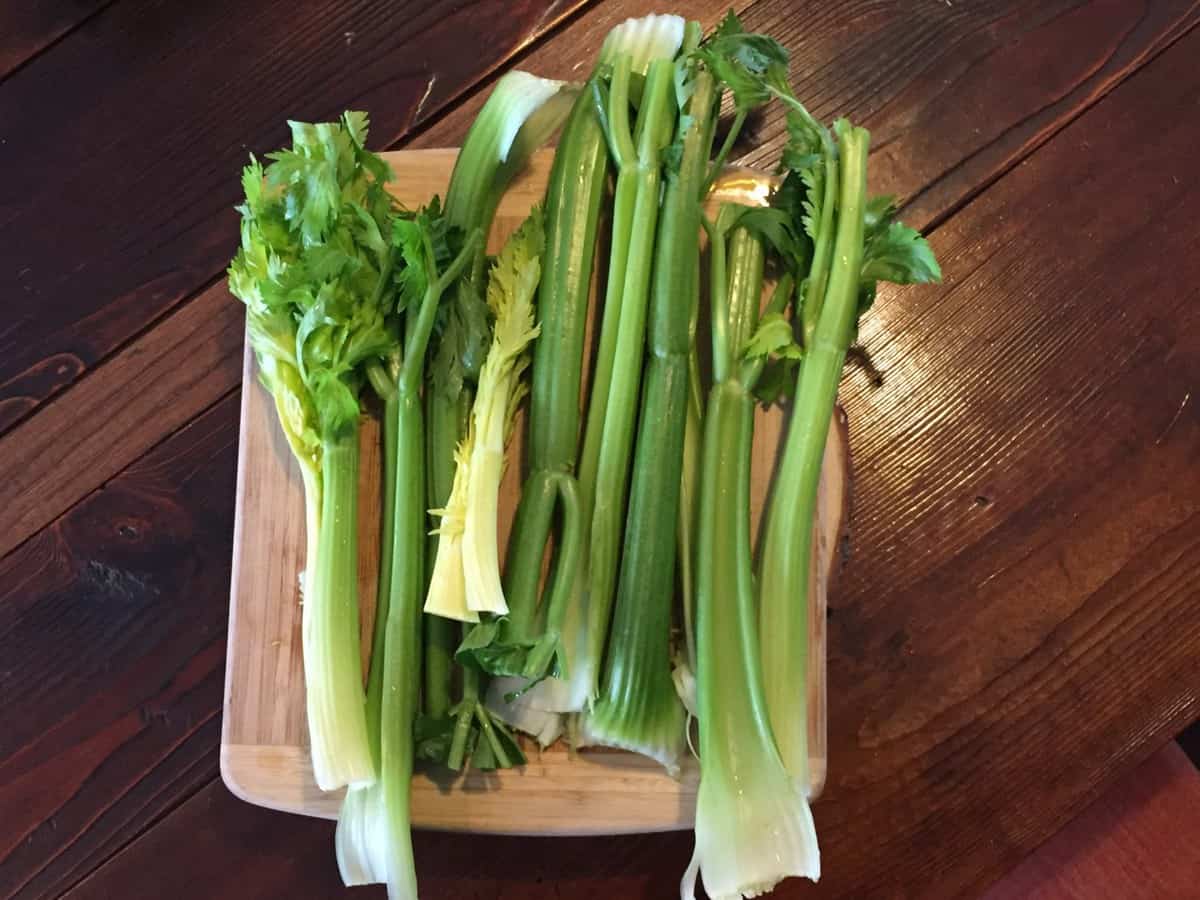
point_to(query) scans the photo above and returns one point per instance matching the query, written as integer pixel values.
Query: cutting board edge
(642, 805)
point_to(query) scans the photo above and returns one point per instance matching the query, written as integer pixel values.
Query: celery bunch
(579, 630)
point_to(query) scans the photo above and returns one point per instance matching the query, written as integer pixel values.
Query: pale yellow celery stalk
(466, 574)
(510, 295)
(447, 595)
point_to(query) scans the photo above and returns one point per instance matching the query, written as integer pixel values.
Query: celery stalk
(537, 638)
(330, 621)
(786, 559)
(637, 708)
(314, 270)
(753, 824)
(605, 460)
(373, 840)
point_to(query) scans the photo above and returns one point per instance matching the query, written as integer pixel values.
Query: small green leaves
(514, 277)
(899, 254)
(892, 252)
(751, 66)
(773, 337)
(729, 26)
(805, 143)
(481, 649)
(424, 244)
(313, 268)
(774, 345)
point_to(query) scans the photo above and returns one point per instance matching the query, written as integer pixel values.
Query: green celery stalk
(753, 824)
(605, 459)
(523, 644)
(866, 245)
(637, 708)
(373, 839)
(314, 270)
(786, 558)
(402, 648)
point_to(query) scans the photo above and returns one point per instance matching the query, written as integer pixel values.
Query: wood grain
(152, 387)
(974, 52)
(113, 623)
(924, 78)
(26, 29)
(1017, 625)
(1137, 842)
(264, 752)
(136, 172)
(1076, 638)
(1119, 842)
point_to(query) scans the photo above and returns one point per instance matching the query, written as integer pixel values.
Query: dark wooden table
(1019, 626)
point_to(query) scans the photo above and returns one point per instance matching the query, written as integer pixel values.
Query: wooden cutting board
(264, 740)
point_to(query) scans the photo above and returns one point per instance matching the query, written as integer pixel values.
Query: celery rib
(332, 654)
(787, 557)
(637, 707)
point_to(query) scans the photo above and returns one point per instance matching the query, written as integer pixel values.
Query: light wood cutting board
(264, 740)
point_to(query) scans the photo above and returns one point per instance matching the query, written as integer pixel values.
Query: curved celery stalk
(573, 199)
(520, 114)
(786, 560)
(637, 708)
(866, 245)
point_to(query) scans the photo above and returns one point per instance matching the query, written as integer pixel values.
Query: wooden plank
(123, 816)
(1137, 842)
(27, 29)
(1105, 49)
(643, 863)
(926, 82)
(131, 171)
(150, 389)
(112, 624)
(1017, 626)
